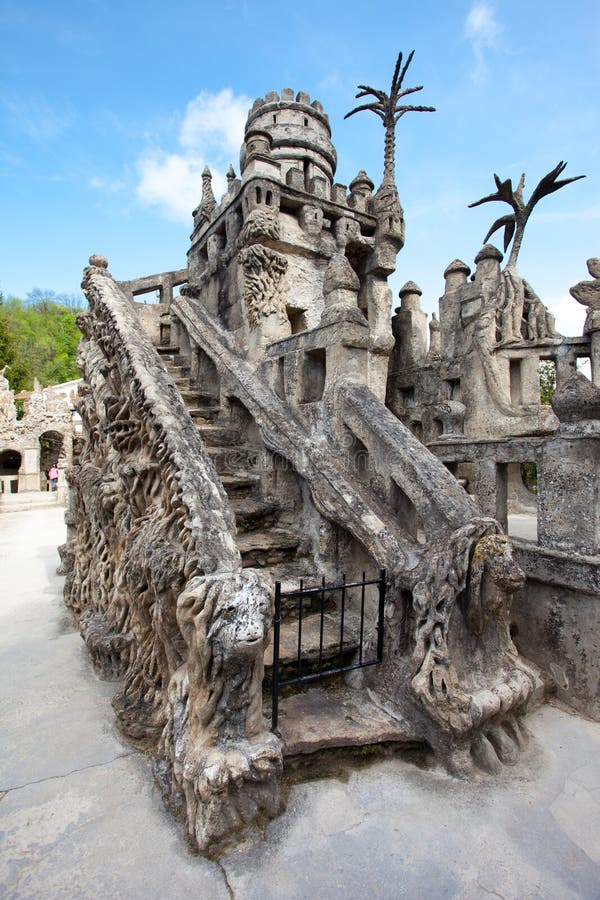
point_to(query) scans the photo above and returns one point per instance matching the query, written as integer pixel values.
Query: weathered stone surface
(319, 720)
(276, 356)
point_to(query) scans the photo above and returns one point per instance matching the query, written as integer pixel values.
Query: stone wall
(556, 622)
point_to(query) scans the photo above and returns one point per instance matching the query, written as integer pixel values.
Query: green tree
(38, 339)
(547, 381)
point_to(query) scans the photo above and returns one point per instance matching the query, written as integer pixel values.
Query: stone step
(178, 370)
(240, 483)
(229, 459)
(167, 349)
(265, 548)
(218, 435)
(199, 397)
(311, 640)
(324, 719)
(205, 413)
(252, 513)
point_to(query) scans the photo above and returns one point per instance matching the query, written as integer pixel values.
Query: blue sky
(109, 111)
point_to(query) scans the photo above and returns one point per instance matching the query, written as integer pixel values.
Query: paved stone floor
(80, 817)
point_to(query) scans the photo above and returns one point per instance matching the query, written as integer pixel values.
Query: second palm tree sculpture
(514, 224)
(390, 111)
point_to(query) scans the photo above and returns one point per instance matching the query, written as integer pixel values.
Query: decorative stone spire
(230, 178)
(435, 341)
(208, 201)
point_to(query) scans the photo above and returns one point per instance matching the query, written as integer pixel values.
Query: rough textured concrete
(79, 815)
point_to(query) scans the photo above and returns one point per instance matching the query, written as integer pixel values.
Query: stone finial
(487, 263)
(435, 339)
(230, 178)
(208, 202)
(98, 261)
(455, 275)
(488, 251)
(362, 184)
(409, 296)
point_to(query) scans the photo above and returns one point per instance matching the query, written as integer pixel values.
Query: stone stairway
(313, 716)
(261, 542)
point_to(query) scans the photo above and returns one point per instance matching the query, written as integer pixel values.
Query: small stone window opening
(305, 121)
(516, 389)
(269, 198)
(407, 396)
(454, 389)
(154, 295)
(407, 513)
(584, 365)
(306, 170)
(314, 371)
(360, 458)
(258, 195)
(10, 463)
(274, 119)
(547, 375)
(280, 378)
(297, 319)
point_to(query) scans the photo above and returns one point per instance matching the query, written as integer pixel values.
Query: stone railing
(155, 579)
(455, 657)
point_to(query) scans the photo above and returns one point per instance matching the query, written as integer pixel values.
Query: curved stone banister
(441, 503)
(209, 517)
(155, 580)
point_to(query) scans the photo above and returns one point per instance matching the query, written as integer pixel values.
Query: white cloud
(211, 132)
(173, 182)
(569, 314)
(215, 120)
(482, 30)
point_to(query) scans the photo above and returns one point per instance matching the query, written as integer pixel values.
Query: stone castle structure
(31, 443)
(275, 423)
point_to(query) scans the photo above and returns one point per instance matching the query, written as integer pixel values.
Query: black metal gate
(318, 669)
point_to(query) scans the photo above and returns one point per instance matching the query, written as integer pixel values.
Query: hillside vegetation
(38, 338)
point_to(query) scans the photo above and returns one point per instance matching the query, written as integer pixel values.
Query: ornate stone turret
(295, 133)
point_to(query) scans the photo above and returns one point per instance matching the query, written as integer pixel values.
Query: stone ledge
(577, 573)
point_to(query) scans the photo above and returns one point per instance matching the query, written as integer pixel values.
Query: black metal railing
(322, 668)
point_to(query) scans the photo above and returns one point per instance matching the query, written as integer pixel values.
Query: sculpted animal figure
(467, 594)
(219, 751)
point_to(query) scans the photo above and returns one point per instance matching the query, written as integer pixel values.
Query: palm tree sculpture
(514, 224)
(386, 107)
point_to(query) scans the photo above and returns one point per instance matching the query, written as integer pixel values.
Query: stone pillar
(435, 343)
(455, 276)
(29, 473)
(409, 327)
(487, 265)
(491, 488)
(569, 472)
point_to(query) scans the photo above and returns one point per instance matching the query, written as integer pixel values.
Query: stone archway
(10, 463)
(51, 449)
